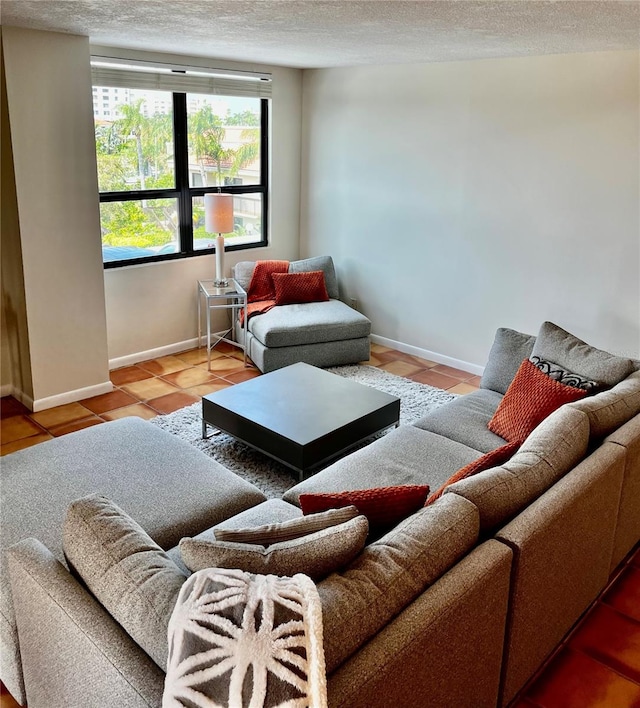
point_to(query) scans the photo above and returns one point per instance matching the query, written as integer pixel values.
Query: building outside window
(159, 152)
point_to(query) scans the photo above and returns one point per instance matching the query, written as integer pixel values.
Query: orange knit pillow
(300, 287)
(530, 398)
(383, 506)
(486, 462)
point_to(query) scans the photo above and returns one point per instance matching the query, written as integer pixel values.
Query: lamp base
(221, 282)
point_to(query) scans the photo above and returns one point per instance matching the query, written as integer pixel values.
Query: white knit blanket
(238, 640)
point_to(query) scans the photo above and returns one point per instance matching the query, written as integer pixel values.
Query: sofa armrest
(73, 652)
(427, 657)
(562, 544)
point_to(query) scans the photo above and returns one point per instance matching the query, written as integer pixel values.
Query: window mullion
(181, 147)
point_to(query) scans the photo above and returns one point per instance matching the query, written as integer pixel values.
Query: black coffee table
(300, 415)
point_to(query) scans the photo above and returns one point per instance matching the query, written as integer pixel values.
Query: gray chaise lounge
(318, 333)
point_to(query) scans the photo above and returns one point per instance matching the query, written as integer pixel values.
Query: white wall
(459, 197)
(151, 308)
(49, 104)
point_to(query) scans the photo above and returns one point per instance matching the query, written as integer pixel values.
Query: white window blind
(108, 71)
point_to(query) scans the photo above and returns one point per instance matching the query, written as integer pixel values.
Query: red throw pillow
(486, 462)
(530, 398)
(300, 287)
(383, 506)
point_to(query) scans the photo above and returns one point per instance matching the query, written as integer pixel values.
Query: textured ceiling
(325, 33)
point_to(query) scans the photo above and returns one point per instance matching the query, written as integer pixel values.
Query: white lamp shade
(218, 213)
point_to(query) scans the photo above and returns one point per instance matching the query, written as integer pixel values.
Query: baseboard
(426, 354)
(6, 390)
(131, 359)
(60, 399)
(169, 349)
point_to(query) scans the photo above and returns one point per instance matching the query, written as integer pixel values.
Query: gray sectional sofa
(456, 606)
(318, 333)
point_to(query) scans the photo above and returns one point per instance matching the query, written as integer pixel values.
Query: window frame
(184, 193)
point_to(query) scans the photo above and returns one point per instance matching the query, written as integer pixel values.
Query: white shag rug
(272, 477)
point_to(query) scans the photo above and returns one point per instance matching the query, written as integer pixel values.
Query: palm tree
(135, 125)
(206, 137)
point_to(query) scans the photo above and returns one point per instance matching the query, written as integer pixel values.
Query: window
(160, 151)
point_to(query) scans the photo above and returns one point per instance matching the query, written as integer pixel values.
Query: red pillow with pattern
(383, 506)
(530, 398)
(300, 287)
(491, 459)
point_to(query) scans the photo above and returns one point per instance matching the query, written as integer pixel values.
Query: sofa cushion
(465, 420)
(383, 506)
(491, 459)
(552, 449)
(291, 288)
(510, 348)
(309, 323)
(131, 576)
(530, 398)
(316, 554)
(323, 263)
(406, 455)
(242, 272)
(276, 532)
(558, 345)
(568, 378)
(608, 410)
(390, 572)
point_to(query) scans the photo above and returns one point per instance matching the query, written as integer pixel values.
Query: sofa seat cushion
(611, 409)
(406, 455)
(550, 451)
(360, 600)
(309, 323)
(465, 420)
(131, 576)
(168, 486)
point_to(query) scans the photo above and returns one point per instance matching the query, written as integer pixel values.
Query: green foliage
(244, 118)
(136, 152)
(131, 224)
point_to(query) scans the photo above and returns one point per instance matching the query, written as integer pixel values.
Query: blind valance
(107, 71)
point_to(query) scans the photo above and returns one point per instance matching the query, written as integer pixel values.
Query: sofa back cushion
(391, 572)
(550, 451)
(243, 270)
(556, 344)
(610, 409)
(323, 263)
(129, 574)
(510, 348)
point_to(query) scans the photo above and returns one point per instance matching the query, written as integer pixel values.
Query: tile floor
(596, 666)
(163, 385)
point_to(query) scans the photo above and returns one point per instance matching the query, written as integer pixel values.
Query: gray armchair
(319, 333)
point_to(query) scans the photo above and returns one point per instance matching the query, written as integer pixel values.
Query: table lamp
(218, 219)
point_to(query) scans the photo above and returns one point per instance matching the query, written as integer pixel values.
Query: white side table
(230, 297)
